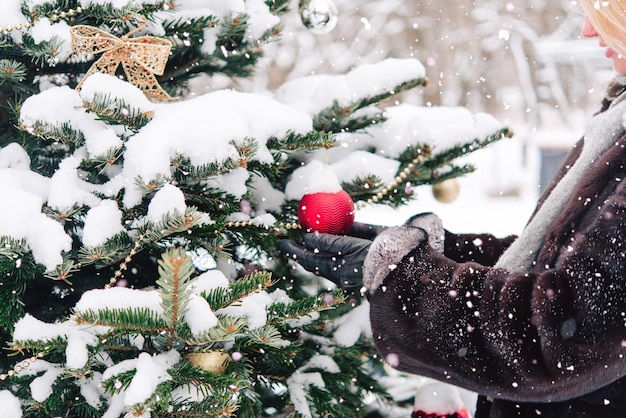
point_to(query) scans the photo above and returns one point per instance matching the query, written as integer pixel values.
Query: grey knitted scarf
(601, 133)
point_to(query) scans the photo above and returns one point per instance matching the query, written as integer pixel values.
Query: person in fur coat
(535, 324)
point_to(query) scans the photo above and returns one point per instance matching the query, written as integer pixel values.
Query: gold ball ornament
(446, 191)
(213, 361)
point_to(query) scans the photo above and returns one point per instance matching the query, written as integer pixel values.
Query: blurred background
(523, 61)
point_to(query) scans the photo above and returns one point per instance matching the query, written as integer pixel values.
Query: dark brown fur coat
(549, 342)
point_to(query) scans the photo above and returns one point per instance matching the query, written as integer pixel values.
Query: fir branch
(64, 270)
(239, 64)
(97, 166)
(457, 151)
(228, 327)
(216, 392)
(114, 249)
(43, 54)
(309, 141)
(119, 382)
(56, 345)
(278, 7)
(172, 223)
(175, 270)
(247, 149)
(191, 28)
(267, 335)
(339, 118)
(73, 215)
(414, 152)
(419, 166)
(151, 186)
(62, 132)
(232, 31)
(129, 320)
(209, 199)
(48, 9)
(17, 268)
(46, 157)
(12, 72)
(363, 188)
(279, 311)
(117, 18)
(221, 297)
(212, 407)
(215, 243)
(116, 111)
(187, 173)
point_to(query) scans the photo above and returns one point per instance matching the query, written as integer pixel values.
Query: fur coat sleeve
(553, 333)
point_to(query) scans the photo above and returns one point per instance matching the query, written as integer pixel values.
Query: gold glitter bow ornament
(141, 57)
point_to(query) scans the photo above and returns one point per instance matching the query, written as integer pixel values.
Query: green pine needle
(130, 320)
(116, 111)
(175, 271)
(221, 297)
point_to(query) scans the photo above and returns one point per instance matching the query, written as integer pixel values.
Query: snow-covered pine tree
(138, 219)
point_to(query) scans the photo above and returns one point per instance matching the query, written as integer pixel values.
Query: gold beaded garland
(53, 18)
(124, 265)
(21, 366)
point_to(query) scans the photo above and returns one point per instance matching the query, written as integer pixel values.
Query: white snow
(299, 384)
(14, 156)
(91, 389)
(209, 280)
(234, 182)
(41, 387)
(203, 129)
(11, 407)
(352, 325)
(361, 163)
(45, 237)
(267, 198)
(54, 106)
(101, 223)
(300, 381)
(315, 177)
(199, 316)
(120, 298)
(109, 85)
(78, 337)
(67, 189)
(150, 372)
(44, 30)
(253, 307)
(167, 200)
(438, 397)
(316, 92)
(261, 20)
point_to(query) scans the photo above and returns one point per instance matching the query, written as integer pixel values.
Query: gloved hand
(366, 231)
(336, 257)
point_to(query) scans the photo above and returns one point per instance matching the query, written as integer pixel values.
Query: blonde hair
(608, 18)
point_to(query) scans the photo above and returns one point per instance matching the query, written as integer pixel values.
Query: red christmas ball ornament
(461, 413)
(327, 213)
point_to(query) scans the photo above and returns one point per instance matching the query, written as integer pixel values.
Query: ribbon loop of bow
(141, 57)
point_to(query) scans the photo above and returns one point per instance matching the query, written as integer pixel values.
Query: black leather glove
(336, 257)
(366, 231)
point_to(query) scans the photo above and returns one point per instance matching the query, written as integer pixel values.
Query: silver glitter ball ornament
(319, 16)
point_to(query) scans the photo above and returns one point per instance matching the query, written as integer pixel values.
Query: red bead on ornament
(327, 213)
(462, 413)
